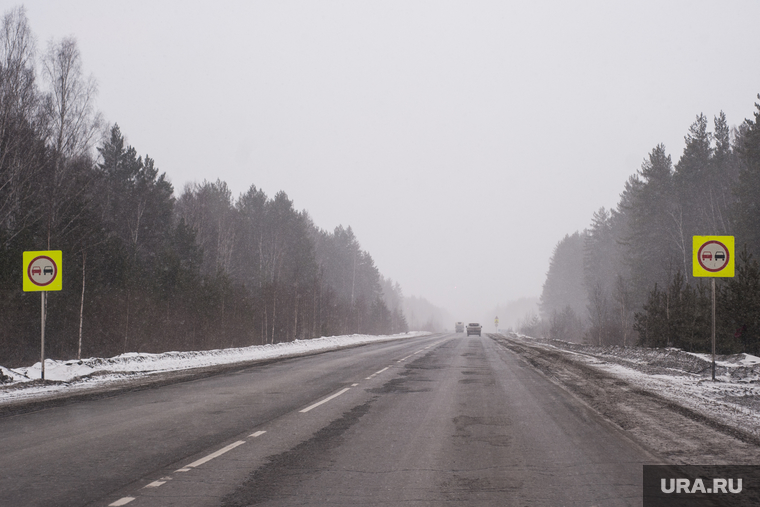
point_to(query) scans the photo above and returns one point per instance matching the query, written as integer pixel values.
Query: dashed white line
(377, 373)
(127, 499)
(410, 355)
(324, 401)
(211, 456)
(121, 501)
(421, 350)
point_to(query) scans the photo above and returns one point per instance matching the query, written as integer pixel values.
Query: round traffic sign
(713, 256)
(42, 271)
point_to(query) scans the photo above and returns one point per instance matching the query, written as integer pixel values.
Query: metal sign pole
(713, 328)
(713, 257)
(42, 272)
(42, 347)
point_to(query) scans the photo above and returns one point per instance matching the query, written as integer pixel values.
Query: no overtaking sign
(713, 256)
(43, 271)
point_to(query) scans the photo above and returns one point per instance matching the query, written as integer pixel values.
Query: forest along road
(434, 420)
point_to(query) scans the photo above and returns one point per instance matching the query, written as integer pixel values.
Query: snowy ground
(682, 377)
(69, 376)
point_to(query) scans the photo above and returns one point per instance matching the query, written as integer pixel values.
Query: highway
(436, 420)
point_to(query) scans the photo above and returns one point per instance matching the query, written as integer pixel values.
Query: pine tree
(746, 210)
(724, 175)
(653, 236)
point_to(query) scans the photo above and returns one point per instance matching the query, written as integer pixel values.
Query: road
(436, 420)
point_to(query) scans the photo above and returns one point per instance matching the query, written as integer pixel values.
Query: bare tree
(73, 124)
(21, 154)
(623, 299)
(18, 97)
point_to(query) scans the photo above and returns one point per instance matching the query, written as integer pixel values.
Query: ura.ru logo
(698, 486)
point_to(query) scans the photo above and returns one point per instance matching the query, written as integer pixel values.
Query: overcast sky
(460, 140)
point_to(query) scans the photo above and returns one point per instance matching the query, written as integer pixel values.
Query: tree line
(145, 270)
(627, 279)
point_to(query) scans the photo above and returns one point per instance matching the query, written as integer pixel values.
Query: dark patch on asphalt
(280, 476)
(415, 376)
(424, 367)
(482, 429)
(468, 489)
(398, 385)
(412, 372)
(475, 375)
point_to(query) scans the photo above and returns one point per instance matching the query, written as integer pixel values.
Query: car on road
(459, 327)
(474, 328)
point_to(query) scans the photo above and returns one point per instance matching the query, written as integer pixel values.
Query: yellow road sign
(713, 256)
(43, 271)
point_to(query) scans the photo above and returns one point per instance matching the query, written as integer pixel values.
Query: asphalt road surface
(437, 420)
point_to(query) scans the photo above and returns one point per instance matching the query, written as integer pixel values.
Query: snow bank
(23, 382)
(682, 377)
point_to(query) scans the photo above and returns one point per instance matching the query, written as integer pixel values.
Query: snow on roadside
(731, 361)
(681, 377)
(23, 383)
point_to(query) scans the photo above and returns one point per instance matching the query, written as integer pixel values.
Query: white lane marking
(154, 484)
(377, 373)
(257, 434)
(413, 353)
(211, 456)
(121, 501)
(410, 355)
(325, 400)
(354, 385)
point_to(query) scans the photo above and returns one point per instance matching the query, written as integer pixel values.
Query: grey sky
(460, 140)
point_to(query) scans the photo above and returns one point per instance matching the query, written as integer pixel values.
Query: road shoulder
(675, 432)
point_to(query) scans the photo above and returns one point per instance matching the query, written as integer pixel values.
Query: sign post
(43, 273)
(713, 258)
(496, 322)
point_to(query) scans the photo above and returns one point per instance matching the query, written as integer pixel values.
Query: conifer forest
(627, 279)
(146, 268)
